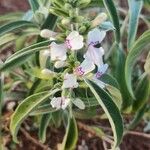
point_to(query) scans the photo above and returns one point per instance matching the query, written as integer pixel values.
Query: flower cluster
(92, 59)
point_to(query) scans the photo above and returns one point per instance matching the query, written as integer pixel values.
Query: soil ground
(131, 141)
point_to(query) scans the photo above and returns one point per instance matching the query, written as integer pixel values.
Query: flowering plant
(72, 71)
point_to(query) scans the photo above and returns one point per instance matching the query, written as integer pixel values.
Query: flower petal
(85, 67)
(95, 55)
(72, 35)
(58, 51)
(74, 41)
(70, 81)
(96, 36)
(60, 102)
(101, 70)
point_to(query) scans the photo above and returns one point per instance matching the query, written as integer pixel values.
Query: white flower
(95, 55)
(101, 70)
(70, 81)
(95, 36)
(58, 51)
(74, 41)
(95, 52)
(99, 73)
(60, 102)
(85, 67)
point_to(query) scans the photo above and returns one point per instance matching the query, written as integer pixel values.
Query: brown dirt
(54, 136)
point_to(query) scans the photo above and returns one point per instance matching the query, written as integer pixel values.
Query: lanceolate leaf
(23, 55)
(34, 5)
(110, 6)
(110, 109)
(25, 107)
(142, 92)
(135, 51)
(138, 116)
(71, 135)
(15, 25)
(43, 126)
(135, 7)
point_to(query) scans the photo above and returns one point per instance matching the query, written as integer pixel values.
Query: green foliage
(110, 109)
(134, 12)
(134, 53)
(25, 107)
(125, 88)
(71, 136)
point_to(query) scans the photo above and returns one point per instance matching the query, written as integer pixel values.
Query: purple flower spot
(98, 74)
(79, 71)
(68, 44)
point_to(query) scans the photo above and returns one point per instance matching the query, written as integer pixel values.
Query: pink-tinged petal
(95, 55)
(65, 103)
(96, 36)
(70, 81)
(58, 51)
(74, 41)
(77, 43)
(85, 67)
(72, 35)
(101, 70)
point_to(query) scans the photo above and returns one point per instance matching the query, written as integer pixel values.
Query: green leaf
(110, 6)
(142, 92)
(10, 37)
(138, 116)
(108, 79)
(71, 135)
(87, 113)
(116, 95)
(34, 5)
(15, 25)
(24, 109)
(13, 16)
(147, 64)
(43, 126)
(134, 52)
(44, 109)
(23, 55)
(135, 7)
(110, 109)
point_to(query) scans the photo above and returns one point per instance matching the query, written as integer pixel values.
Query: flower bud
(45, 52)
(82, 29)
(65, 21)
(47, 72)
(45, 33)
(99, 19)
(83, 3)
(60, 64)
(68, 6)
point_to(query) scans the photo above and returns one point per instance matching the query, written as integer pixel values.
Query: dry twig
(36, 142)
